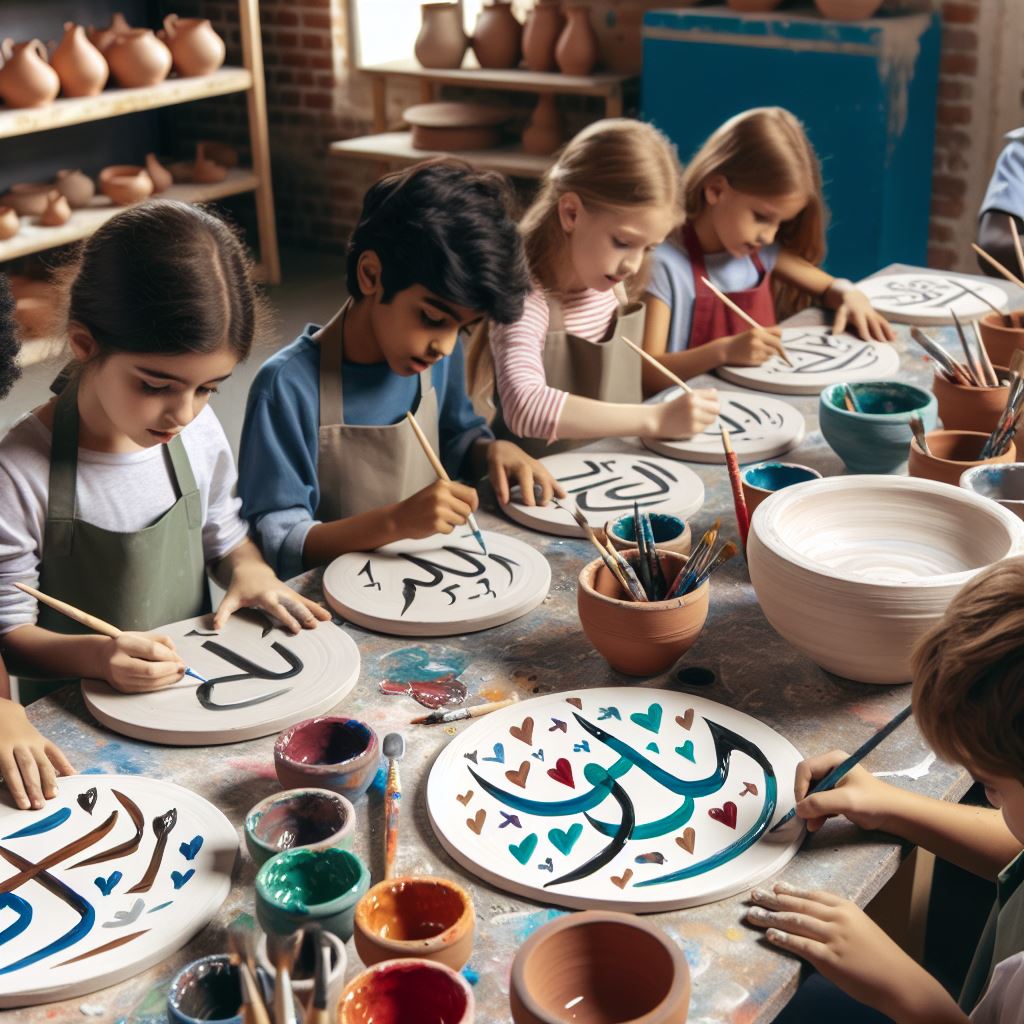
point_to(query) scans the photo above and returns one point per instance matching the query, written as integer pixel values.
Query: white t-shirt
(1003, 1001)
(121, 492)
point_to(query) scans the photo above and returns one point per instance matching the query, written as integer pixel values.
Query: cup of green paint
(299, 888)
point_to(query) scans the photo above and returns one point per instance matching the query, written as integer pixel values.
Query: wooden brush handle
(89, 621)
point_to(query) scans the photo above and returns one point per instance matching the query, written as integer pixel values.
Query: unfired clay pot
(102, 38)
(407, 990)
(26, 78)
(207, 171)
(27, 197)
(543, 134)
(82, 69)
(125, 184)
(999, 340)
(195, 46)
(971, 408)
(952, 452)
(543, 26)
(137, 58)
(76, 187)
(639, 638)
(847, 10)
(442, 40)
(498, 37)
(576, 51)
(10, 223)
(57, 212)
(162, 179)
(611, 968)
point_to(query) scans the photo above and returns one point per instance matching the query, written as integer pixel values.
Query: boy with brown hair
(968, 698)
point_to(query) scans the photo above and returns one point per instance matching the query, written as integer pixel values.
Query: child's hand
(439, 508)
(686, 415)
(504, 460)
(29, 762)
(856, 311)
(753, 347)
(140, 662)
(255, 585)
(862, 798)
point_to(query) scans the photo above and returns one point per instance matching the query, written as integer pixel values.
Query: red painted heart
(562, 772)
(725, 814)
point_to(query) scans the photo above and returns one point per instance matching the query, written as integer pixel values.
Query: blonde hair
(968, 671)
(765, 152)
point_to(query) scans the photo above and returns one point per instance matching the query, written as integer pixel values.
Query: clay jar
(543, 133)
(543, 26)
(847, 10)
(498, 37)
(999, 340)
(26, 78)
(125, 184)
(82, 69)
(102, 38)
(1004, 484)
(576, 51)
(407, 990)
(137, 59)
(208, 989)
(57, 211)
(952, 452)
(298, 819)
(329, 752)
(963, 407)
(670, 532)
(303, 968)
(639, 638)
(29, 198)
(425, 917)
(442, 41)
(10, 223)
(195, 47)
(764, 479)
(161, 177)
(76, 187)
(613, 968)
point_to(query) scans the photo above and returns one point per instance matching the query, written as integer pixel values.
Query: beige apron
(361, 468)
(604, 370)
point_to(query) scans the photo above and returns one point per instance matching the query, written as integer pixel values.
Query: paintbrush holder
(999, 340)
(305, 965)
(962, 407)
(639, 638)
(952, 452)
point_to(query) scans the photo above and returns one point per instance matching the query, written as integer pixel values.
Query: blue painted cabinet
(866, 92)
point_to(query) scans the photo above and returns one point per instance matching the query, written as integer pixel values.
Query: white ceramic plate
(926, 298)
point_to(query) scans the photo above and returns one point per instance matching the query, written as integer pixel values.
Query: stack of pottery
(442, 40)
(124, 184)
(137, 58)
(81, 67)
(498, 37)
(195, 47)
(576, 51)
(455, 126)
(543, 26)
(26, 78)
(1002, 334)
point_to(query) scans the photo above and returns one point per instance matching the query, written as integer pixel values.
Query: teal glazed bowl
(299, 888)
(876, 439)
(765, 478)
(328, 752)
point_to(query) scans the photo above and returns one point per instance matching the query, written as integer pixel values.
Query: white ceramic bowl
(853, 570)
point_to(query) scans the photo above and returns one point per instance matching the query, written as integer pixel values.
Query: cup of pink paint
(398, 991)
(328, 752)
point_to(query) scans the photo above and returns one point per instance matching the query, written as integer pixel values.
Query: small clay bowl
(407, 990)
(1002, 483)
(952, 452)
(328, 752)
(27, 197)
(670, 533)
(610, 968)
(424, 917)
(639, 638)
(124, 184)
(298, 819)
(999, 340)
(874, 440)
(765, 478)
(962, 407)
(298, 888)
(207, 990)
(305, 965)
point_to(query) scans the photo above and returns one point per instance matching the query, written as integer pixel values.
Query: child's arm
(589, 419)
(506, 464)
(29, 762)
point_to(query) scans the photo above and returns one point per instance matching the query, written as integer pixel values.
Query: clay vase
(847, 10)
(544, 131)
(102, 38)
(195, 46)
(206, 171)
(162, 179)
(543, 26)
(498, 37)
(125, 184)
(442, 40)
(10, 223)
(952, 452)
(137, 59)
(576, 51)
(27, 197)
(1001, 341)
(82, 69)
(57, 211)
(76, 187)
(26, 78)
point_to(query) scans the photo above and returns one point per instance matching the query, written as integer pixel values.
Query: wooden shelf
(115, 102)
(34, 238)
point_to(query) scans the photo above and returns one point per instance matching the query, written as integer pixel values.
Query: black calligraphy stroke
(599, 493)
(925, 293)
(250, 670)
(437, 572)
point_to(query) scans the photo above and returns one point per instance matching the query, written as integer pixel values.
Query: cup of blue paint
(876, 437)
(1002, 482)
(306, 819)
(328, 752)
(670, 532)
(299, 888)
(765, 478)
(207, 990)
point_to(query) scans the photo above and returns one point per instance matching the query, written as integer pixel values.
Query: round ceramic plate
(606, 484)
(623, 798)
(926, 299)
(819, 358)
(759, 428)
(261, 680)
(438, 586)
(134, 868)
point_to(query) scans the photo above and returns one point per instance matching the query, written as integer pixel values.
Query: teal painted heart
(524, 851)
(686, 750)
(106, 885)
(179, 878)
(563, 842)
(653, 747)
(649, 720)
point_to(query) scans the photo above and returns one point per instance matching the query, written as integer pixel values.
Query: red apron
(712, 318)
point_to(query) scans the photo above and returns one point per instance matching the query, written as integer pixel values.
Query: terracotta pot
(639, 638)
(425, 917)
(543, 26)
(847, 10)
(125, 184)
(1002, 483)
(76, 187)
(498, 37)
(329, 752)
(576, 51)
(544, 132)
(82, 69)
(221, 152)
(670, 533)
(952, 451)
(27, 197)
(26, 78)
(102, 38)
(162, 179)
(298, 819)
(619, 967)
(137, 58)
(10, 223)
(303, 969)
(971, 408)
(753, 6)
(1000, 341)
(206, 171)
(764, 479)
(407, 990)
(195, 47)
(442, 40)
(57, 212)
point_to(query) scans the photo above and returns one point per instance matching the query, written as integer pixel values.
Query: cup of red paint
(328, 752)
(399, 991)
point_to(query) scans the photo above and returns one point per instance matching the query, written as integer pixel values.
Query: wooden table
(737, 977)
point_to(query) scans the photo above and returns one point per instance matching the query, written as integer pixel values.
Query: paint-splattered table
(737, 978)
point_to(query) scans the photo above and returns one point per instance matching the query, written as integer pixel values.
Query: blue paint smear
(527, 926)
(22, 907)
(118, 759)
(415, 663)
(44, 825)
(380, 780)
(159, 906)
(470, 975)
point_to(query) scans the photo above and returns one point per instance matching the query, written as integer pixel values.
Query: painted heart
(749, 787)
(575, 702)
(653, 747)
(191, 848)
(476, 823)
(539, 754)
(87, 800)
(685, 720)
(563, 842)
(523, 732)
(608, 713)
(686, 750)
(471, 756)
(548, 865)
(124, 917)
(464, 798)
(687, 839)
(562, 772)
(623, 879)
(584, 746)
(524, 851)
(180, 879)
(725, 814)
(558, 726)
(649, 719)
(499, 754)
(518, 778)
(106, 885)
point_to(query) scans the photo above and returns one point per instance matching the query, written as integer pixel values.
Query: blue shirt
(1006, 187)
(277, 478)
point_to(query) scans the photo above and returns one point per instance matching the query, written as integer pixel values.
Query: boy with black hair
(435, 251)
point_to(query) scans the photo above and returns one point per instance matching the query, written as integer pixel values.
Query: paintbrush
(973, 368)
(442, 474)
(742, 314)
(840, 771)
(254, 1010)
(917, 427)
(610, 564)
(643, 566)
(689, 570)
(633, 584)
(993, 262)
(653, 561)
(1007, 319)
(393, 748)
(1016, 242)
(739, 502)
(726, 552)
(281, 950)
(697, 573)
(850, 399)
(986, 363)
(318, 1005)
(664, 370)
(441, 717)
(946, 362)
(97, 625)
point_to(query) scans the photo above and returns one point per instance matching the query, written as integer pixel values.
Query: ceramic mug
(1003, 483)
(407, 990)
(670, 532)
(207, 990)
(306, 819)
(765, 478)
(328, 752)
